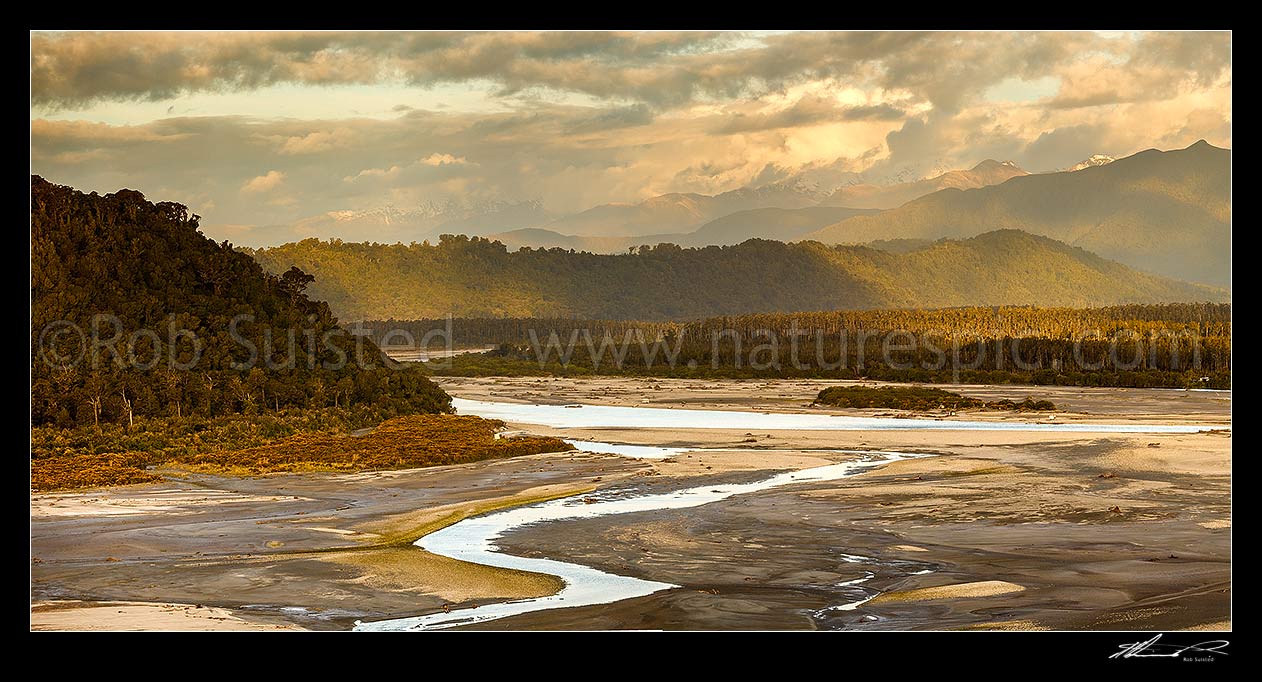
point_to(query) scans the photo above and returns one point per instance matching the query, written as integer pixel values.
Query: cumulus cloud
(317, 142)
(263, 183)
(437, 159)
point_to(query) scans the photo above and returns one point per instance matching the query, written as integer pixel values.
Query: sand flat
(141, 616)
(973, 590)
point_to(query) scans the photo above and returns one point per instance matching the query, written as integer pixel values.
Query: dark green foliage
(147, 266)
(920, 398)
(897, 397)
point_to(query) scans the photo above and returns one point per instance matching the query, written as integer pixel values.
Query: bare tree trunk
(127, 406)
(95, 403)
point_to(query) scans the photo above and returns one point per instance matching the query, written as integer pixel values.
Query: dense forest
(1171, 345)
(475, 277)
(133, 316)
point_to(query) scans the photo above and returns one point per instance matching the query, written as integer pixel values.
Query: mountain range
(676, 213)
(988, 172)
(1164, 212)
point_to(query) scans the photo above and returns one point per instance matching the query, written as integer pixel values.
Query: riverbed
(1021, 529)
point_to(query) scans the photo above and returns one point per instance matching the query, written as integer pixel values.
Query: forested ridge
(475, 277)
(145, 266)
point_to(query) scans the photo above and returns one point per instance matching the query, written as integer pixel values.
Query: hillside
(479, 278)
(1162, 212)
(988, 172)
(147, 265)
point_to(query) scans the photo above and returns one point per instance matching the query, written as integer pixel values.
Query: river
(474, 539)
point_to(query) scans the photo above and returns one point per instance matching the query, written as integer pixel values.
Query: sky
(255, 129)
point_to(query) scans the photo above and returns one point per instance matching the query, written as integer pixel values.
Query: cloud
(317, 142)
(437, 159)
(660, 69)
(69, 69)
(807, 111)
(579, 119)
(263, 183)
(612, 119)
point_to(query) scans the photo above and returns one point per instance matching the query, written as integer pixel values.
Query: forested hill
(480, 278)
(148, 267)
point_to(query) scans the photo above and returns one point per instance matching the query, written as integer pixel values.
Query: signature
(1154, 649)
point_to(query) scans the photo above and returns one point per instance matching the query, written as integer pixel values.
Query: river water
(611, 416)
(474, 540)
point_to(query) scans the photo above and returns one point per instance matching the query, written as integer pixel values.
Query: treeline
(474, 277)
(1170, 345)
(136, 315)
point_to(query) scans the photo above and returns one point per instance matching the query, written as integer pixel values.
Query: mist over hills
(782, 224)
(1163, 212)
(678, 213)
(988, 172)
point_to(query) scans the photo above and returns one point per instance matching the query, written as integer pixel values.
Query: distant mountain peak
(991, 164)
(1092, 162)
(859, 195)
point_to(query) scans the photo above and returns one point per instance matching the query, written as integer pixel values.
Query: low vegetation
(296, 440)
(400, 443)
(920, 398)
(90, 471)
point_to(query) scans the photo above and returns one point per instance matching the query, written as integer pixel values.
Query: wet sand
(1100, 531)
(141, 616)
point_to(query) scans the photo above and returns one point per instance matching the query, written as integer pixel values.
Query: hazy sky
(266, 128)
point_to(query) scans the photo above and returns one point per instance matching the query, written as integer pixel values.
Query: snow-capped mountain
(1095, 160)
(864, 195)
